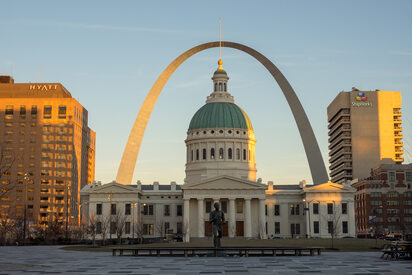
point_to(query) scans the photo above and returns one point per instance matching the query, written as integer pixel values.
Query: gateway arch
(131, 151)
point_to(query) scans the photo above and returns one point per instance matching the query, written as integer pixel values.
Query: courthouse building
(47, 151)
(220, 167)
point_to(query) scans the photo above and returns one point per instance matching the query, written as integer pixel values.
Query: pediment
(224, 183)
(330, 187)
(113, 187)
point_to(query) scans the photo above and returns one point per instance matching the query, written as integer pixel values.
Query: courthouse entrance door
(209, 228)
(239, 229)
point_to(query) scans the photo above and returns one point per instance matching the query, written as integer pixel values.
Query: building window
(244, 154)
(220, 87)
(294, 209)
(375, 194)
(179, 210)
(204, 154)
(266, 211)
(224, 206)
(330, 208)
(179, 228)
(62, 111)
(208, 206)
(391, 176)
(113, 228)
(344, 208)
(166, 210)
(238, 154)
(316, 208)
(316, 227)
(344, 227)
(197, 154)
(47, 112)
(330, 227)
(392, 203)
(239, 206)
(9, 111)
(229, 153)
(148, 229)
(215, 86)
(113, 209)
(408, 176)
(392, 195)
(277, 227)
(212, 153)
(127, 227)
(221, 153)
(294, 229)
(191, 156)
(148, 209)
(98, 209)
(99, 227)
(22, 111)
(167, 226)
(225, 89)
(277, 209)
(127, 209)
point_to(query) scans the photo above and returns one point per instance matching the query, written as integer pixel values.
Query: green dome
(220, 115)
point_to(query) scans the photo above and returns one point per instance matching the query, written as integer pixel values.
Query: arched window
(229, 153)
(212, 153)
(244, 154)
(204, 154)
(191, 156)
(238, 153)
(220, 87)
(224, 87)
(197, 154)
(221, 153)
(215, 86)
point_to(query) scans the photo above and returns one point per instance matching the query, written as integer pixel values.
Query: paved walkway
(52, 260)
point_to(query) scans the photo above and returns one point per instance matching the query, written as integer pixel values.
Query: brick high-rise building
(47, 151)
(365, 130)
(383, 201)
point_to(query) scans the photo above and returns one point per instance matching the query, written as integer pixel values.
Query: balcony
(342, 134)
(336, 124)
(397, 120)
(345, 141)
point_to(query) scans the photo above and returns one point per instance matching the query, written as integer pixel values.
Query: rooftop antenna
(220, 38)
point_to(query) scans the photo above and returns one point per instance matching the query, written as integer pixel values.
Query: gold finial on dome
(220, 62)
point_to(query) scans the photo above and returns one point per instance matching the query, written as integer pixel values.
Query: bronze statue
(217, 219)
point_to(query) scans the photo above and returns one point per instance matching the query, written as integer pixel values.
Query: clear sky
(108, 54)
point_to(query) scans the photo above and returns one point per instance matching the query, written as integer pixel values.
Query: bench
(210, 251)
(397, 250)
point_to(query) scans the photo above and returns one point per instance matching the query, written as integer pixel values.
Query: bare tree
(119, 220)
(92, 229)
(159, 227)
(105, 227)
(5, 166)
(334, 226)
(6, 226)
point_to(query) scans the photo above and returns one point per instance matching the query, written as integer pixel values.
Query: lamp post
(26, 178)
(307, 210)
(133, 220)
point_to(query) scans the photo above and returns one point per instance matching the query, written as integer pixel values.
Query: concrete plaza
(53, 260)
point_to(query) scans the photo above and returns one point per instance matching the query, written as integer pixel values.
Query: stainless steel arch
(131, 151)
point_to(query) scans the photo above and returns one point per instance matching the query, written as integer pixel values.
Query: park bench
(397, 250)
(210, 251)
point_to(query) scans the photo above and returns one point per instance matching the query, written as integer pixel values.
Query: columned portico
(248, 219)
(232, 218)
(262, 219)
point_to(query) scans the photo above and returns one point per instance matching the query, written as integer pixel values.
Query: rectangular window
(344, 208)
(47, 112)
(392, 202)
(292, 229)
(391, 176)
(330, 227)
(316, 208)
(277, 227)
(224, 206)
(408, 176)
(297, 229)
(344, 227)
(266, 211)
(167, 226)
(22, 111)
(330, 208)
(375, 194)
(166, 210)
(98, 209)
(113, 209)
(148, 229)
(99, 227)
(179, 228)
(208, 206)
(128, 208)
(239, 207)
(62, 111)
(9, 111)
(277, 209)
(179, 210)
(316, 227)
(113, 228)
(127, 227)
(148, 209)
(294, 209)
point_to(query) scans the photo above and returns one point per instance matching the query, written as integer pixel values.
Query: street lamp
(26, 178)
(307, 204)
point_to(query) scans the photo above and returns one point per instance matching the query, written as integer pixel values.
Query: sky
(108, 54)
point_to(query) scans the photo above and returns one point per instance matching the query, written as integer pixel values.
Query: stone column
(186, 220)
(307, 219)
(232, 218)
(201, 222)
(248, 219)
(262, 219)
(351, 218)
